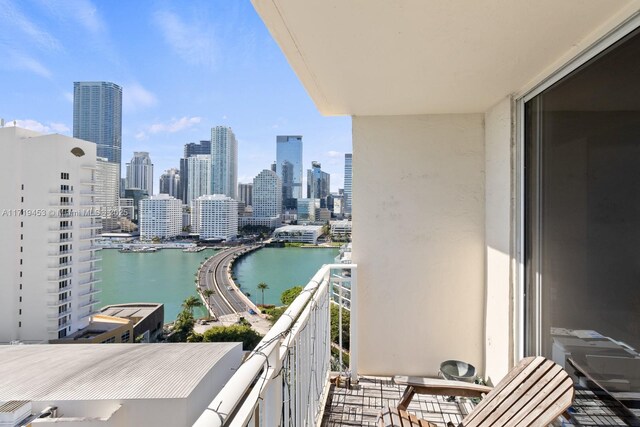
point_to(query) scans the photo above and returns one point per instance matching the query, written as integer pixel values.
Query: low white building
(114, 385)
(160, 216)
(214, 217)
(341, 228)
(298, 233)
(261, 221)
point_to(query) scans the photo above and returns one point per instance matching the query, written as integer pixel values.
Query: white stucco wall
(418, 240)
(498, 194)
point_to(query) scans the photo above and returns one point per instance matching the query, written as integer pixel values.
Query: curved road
(215, 275)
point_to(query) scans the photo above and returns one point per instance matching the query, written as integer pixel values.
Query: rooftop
(101, 372)
(133, 310)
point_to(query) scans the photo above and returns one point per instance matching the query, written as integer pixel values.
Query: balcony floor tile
(361, 405)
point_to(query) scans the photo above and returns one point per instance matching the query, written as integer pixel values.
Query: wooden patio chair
(534, 393)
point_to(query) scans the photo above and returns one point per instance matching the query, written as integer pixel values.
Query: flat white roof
(290, 228)
(106, 371)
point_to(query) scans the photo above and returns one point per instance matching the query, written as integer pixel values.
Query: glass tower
(348, 176)
(289, 167)
(224, 162)
(97, 117)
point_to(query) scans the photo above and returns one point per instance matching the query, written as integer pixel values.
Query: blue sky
(184, 66)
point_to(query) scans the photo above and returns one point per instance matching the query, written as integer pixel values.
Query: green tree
(290, 294)
(335, 325)
(190, 303)
(262, 287)
(235, 333)
(182, 327)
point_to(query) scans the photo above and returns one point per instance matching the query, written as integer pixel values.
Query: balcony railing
(285, 380)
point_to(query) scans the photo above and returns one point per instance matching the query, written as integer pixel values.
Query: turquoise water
(166, 276)
(280, 269)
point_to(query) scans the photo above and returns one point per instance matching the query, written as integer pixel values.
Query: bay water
(167, 276)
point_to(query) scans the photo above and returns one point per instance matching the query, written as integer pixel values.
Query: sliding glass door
(582, 219)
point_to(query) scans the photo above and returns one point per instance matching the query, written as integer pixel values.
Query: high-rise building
(318, 183)
(214, 217)
(160, 217)
(199, 178)
(289, 167)
(224, 161)
(190, 149)
(245, 194)
(136, 195)
(140, 172)
(170, 182)
(267, 194)
(307, 209)
(348, 176)
(97, 117)
(47, 254)
(107, 195)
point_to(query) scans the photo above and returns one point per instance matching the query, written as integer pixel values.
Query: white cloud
(334, 154)
(192, 41)
(68, 96)
(85, 13)
(22, 61)
(10, 16)
(35, 125)
(136, 97)
(172, 126)
(175, 125)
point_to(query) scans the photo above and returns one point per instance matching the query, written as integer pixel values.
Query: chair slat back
(534, 393)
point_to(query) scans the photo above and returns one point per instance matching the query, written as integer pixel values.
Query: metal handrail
(236, 403)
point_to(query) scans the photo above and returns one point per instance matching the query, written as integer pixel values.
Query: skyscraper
(170, 182)
(199, 178)
(47, 254)
(289, 167)
(191, 149)
(97, 117)
(267, 194)
(214, 217)
(140, 172)
(224, 162)
(318, 183)
(245, 194)
(348, 176)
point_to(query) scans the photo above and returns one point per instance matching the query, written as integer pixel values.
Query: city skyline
(193, 67)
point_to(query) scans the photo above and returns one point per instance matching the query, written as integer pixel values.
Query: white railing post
(353, 326)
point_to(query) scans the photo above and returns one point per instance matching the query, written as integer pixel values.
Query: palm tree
(263, 287)
(191, 302)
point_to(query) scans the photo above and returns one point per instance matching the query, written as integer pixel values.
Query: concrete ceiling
(388, 57)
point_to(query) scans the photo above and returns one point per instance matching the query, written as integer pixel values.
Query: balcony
(59, 253)
(58, 278)
(58, 325)
(58, 302)
(91, 270)
(90, 291)
(58, 315)
(89, 281)
(288, 372)
(90, 259)
(89, 302)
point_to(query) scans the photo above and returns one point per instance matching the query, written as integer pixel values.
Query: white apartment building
(48, 223)
(342, 227)
(298, 233)
(267, 194)
(160, 216)
(199, 176)
(224, 161)
(107, 192)
(214, 217)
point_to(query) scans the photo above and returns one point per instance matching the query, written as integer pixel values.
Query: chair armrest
(440, 387)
